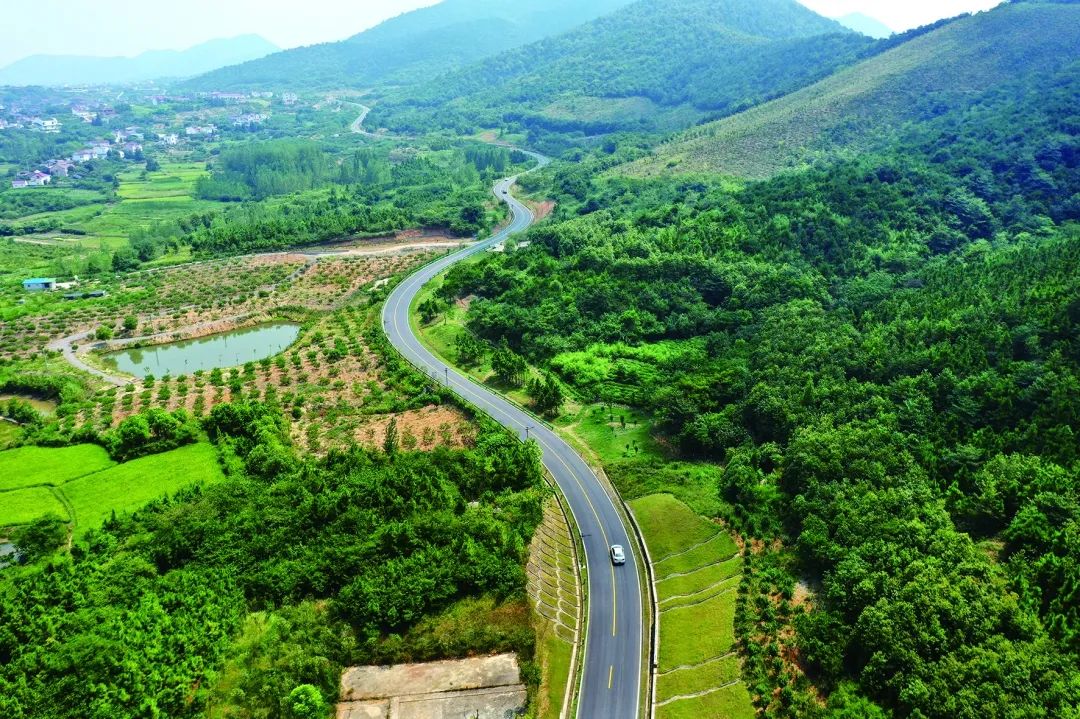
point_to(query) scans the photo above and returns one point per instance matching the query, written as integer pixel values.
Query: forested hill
(855, 109)
(413, 46)
(656, 64)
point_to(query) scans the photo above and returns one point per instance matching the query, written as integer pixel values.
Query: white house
(50, 125)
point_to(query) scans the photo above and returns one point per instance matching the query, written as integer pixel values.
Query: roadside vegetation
(865, 361)
(394, 556)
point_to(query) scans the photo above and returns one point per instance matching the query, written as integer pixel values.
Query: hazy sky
(128, 27)
(900, 15)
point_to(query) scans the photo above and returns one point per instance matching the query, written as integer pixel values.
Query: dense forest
(272, 580)
(882, 354)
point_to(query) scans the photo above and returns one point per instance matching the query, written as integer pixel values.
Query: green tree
(306, 702)
(40, 538)
(390, 440)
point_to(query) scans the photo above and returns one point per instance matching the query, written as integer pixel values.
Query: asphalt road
(611, 683)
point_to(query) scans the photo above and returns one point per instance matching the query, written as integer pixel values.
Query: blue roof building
(39, 284)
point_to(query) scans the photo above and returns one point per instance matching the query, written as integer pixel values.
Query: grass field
(620, 433)
(30, 466)
(556, 654)
(726, 702)
(22, 506)
(697, 567)
(127, 487)
(670, 526)
(144, 199)
(93, 486)
(9, 434)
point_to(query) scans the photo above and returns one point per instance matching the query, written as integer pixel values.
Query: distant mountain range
(413, 46)
(866, 25)
(79, 70)
(914, 78)
(655, 65)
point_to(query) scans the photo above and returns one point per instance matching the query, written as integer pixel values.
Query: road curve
(611, 683)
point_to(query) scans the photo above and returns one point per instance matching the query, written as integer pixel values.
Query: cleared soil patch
(481, 688)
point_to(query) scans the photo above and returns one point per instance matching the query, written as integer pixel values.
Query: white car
(618, 556)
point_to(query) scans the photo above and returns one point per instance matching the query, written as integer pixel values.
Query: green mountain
(414, 45)
(654, 65)
(79, 70)
(858, 108)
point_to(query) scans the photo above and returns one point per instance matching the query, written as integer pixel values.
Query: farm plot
(697, 570)
(333, 386)
(129, 486)
(32, 466)
(83, 486)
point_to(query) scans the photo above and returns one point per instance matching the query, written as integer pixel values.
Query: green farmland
(83, 486)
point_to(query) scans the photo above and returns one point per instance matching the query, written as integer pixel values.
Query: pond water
(7, 554)
(46, 407)
(228, 349)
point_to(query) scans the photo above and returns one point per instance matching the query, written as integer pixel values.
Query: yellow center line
(611, 677)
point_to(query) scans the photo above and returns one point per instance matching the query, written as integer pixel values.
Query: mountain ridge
(54, 70)
(869, 26)
(654, 65)
(858, 105)
(420, 43)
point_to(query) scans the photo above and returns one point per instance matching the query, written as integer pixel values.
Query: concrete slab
(364, 710)
(359, 683)
(478, 688)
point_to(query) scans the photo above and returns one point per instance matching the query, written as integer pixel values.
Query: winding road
(613, 663)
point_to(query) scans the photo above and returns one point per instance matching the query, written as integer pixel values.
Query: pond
(7, 554)
(228, 349)
(44, 406)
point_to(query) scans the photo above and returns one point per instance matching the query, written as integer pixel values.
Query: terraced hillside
(854, 109)
(697, 569)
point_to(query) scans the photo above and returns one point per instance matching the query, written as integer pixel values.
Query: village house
(84, 114)
(290, 98)
(58, 168)
(50, 125)
(83, 155)
(250, 118)
(196, 130)
(39, 284)
(229, 97)
(170, 139)
(30, 179)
